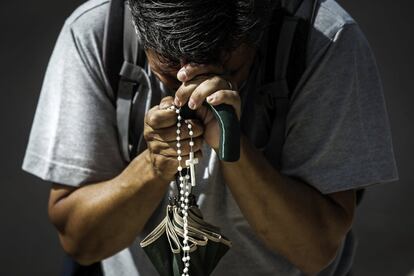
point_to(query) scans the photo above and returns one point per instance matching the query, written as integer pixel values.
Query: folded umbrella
(164, 244)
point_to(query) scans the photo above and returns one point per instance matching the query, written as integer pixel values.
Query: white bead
(182, 198)
(190, 126)
(178, 151)
(187, 176)
(178, 131)
(187, 193)
(180, 168)
(185, 269)
(178, 124)
(179, 158)
(185, 200)
(178, 138)
(181, 178)
(177, 111)
(187, 264)
(191, 143)
(191, 133)
(179, 118)
(185, 207)
(182, 192)
(178, 145)
(184, 259)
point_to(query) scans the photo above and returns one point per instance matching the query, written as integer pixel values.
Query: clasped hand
(199, 83)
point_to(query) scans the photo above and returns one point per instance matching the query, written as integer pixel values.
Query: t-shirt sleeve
(337, 134)
(73, 139)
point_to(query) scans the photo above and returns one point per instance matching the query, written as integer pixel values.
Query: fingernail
(191, 104)
(177, 101)
(182, 75)
(210, 99)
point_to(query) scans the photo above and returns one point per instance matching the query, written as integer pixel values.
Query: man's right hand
(160, 133)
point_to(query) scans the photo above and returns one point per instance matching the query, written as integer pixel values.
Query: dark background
(28, 243)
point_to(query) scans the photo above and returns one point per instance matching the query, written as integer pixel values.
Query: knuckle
(148, 135)
(151, 118)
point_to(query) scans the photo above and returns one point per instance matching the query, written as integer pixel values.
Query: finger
(174, 149)
(205, 89)
(166, 102)
(192, 70)
(184, 147)
(158, 118)
(230, 97)
(169, 134)
(184, 91)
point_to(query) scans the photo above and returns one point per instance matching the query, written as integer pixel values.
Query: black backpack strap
(113, 42)
(132, 81)
(127, 83)
(278, 99)
(288, 51)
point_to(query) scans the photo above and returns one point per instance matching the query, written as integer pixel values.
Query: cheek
(241, 76)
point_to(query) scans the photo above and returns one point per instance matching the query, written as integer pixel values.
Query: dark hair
(198, 31)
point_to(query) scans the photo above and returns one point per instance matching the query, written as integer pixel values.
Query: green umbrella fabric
(163, 245)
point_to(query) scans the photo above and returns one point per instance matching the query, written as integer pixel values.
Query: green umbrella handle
(229, 149)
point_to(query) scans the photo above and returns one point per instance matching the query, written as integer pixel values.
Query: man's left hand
(206, 82)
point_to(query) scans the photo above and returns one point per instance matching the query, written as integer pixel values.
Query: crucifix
(190, 163)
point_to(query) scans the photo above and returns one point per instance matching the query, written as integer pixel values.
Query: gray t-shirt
(338, 136)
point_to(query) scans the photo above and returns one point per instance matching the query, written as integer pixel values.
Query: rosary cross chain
(190, 163)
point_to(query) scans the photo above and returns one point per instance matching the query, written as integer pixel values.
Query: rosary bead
(191, 143)
(180, 168)
(189, 126)
(191, 133)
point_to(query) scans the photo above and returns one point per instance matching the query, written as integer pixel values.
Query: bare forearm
(292, 218)
(100, 219)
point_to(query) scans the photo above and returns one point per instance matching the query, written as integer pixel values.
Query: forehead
(229, 61)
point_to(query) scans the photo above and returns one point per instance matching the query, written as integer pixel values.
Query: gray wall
(28, 243)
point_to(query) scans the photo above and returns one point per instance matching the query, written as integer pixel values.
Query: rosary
(186, 182)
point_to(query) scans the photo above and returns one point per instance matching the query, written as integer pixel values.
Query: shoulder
(334, 31)
(331, 18)
(87, 22)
